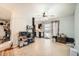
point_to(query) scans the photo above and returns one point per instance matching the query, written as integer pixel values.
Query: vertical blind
(55, 28)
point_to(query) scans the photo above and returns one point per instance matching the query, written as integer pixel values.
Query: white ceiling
(59, 10)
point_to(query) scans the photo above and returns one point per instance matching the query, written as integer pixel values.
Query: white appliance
(73, 52)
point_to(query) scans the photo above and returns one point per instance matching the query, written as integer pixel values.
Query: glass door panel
(47, 30)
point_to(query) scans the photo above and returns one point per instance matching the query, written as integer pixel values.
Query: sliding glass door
(51, 29)
(47, 30)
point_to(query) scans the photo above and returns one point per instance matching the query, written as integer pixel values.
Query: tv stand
(24, 39)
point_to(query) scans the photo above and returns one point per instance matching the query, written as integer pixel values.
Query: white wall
(77, 27)
(18, 23)
(67, 25)
(5, 14)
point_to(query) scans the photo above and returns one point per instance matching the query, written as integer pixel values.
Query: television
(22, 33)
(28, 34)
